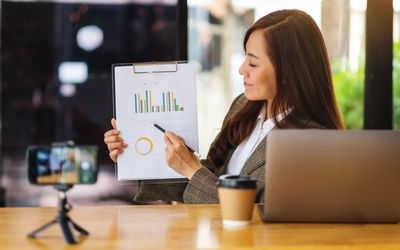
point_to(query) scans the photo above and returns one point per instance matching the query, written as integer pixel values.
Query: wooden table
(184, 226)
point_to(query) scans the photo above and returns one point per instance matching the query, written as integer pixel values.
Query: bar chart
(144, 103)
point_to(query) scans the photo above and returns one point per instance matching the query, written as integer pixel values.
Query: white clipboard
(159, 92)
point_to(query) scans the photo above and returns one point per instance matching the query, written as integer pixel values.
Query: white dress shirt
(248, 145)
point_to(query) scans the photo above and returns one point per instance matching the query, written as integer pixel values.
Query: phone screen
(62, 165)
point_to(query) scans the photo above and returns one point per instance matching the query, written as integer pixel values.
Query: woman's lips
(247, 84)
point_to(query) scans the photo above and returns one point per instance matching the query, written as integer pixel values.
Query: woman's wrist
(193, 170)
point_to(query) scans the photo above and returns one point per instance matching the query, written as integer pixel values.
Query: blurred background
(56, 59)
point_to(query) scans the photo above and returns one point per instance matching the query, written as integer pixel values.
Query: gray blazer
(202, 187)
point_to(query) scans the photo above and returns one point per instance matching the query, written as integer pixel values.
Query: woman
(288, 84)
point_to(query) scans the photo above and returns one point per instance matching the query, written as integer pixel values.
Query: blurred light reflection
(89, 37)
(205, 238)
(73, 72)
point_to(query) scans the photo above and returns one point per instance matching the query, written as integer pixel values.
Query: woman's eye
(252, 65)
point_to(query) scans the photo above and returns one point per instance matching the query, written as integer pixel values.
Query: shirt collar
(263, 110)
(279, 117)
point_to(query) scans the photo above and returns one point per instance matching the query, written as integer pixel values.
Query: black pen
(189, 148)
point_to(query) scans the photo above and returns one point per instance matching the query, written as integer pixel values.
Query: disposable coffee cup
(236, 195)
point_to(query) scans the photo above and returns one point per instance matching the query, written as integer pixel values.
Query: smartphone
(52, 165)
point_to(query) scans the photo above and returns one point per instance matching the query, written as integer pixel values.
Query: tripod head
(63, 205)
(63, 187)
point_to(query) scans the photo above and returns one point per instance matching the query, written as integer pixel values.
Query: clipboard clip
(155, 67)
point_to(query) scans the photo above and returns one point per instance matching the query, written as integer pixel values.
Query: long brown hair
(303, 76)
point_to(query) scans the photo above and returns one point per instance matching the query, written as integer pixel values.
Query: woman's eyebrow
(252, 55)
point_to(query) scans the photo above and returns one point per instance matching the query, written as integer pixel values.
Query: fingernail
(125, 145)
(116, 132)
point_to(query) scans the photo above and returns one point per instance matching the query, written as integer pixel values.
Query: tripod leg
(67, 229)
(78, 228)
(33, 234)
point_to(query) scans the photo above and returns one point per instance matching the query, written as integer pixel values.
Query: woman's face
(257, 70)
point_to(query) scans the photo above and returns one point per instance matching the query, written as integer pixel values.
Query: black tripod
(65, 222)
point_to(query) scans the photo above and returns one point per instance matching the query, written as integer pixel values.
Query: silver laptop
(332, 176)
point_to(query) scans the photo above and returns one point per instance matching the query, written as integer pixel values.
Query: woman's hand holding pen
(178, 156)
(115, 144)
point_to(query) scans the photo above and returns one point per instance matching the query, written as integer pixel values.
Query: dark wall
(37, 36)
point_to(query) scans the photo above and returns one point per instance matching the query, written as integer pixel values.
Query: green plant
(349, 91)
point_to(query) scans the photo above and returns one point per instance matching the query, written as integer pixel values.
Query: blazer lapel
(256, 159)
